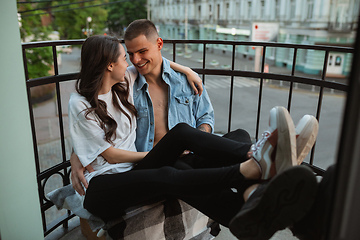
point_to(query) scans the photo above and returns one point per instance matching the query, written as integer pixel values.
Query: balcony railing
(62, 168)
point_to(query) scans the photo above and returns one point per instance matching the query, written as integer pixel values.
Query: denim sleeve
(204, 112)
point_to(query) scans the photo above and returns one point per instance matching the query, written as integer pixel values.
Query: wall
(20, 216)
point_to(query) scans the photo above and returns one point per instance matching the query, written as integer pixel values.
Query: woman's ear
(110, 67)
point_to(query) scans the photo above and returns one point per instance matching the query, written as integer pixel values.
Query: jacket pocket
(184, 108)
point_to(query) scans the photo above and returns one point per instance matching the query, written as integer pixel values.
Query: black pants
(206, 189)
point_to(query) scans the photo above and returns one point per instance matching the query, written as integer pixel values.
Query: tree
(120, 15)
(39, 60)
(71, 23)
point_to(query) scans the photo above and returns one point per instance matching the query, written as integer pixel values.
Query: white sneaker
(306, 133)
(276, 151)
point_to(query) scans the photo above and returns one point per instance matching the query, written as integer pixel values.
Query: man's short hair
(141, 27)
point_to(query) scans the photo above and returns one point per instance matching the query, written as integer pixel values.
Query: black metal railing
(62, 169)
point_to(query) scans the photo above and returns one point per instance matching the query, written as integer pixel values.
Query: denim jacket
(183, 106)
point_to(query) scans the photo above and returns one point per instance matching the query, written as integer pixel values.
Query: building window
(210, 12)
(338, 61)
(249, 10)
(262, 10)
(292, 9)
(237, 11)
(218, 11)
(277, 9)
(310, 9)
(199, 12)
(227, 11)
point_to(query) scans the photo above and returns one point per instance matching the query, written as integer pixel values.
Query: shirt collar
(166, 72)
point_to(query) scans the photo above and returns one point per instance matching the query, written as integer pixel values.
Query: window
(237, 11)
(338, 61)
(262, 10)
(277, 9)
(292, 9)
(249, 10)
(227, 11)
(218, 11)
(310, 9)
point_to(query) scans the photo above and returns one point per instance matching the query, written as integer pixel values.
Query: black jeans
(208, 189)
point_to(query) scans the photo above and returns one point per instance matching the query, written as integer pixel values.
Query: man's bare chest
(159, 99)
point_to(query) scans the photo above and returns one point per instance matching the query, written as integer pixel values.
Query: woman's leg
(109, 195)
(183, 137)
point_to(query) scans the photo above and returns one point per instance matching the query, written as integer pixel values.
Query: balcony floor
(74, 232)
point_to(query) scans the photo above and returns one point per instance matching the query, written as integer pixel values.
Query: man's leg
(183, 137)
(273, 206)
(312, 226)
(241, 136)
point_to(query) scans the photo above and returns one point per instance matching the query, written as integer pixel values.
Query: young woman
(102, 127)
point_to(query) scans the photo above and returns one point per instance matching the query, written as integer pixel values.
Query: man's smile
(141, 65)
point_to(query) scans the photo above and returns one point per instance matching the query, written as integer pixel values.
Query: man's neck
(155, 76)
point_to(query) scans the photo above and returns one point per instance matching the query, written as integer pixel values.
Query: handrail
(62, 169)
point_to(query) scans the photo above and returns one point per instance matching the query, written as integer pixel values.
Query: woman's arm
(192, 77)
(113, 155)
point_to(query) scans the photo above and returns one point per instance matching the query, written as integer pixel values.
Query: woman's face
(119, 67)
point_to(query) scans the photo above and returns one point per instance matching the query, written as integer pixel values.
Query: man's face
(145, 54)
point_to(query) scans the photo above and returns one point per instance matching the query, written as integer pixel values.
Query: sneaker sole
(287, 198)
(286, 145)
(306, 137)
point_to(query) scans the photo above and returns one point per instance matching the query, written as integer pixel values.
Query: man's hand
(204, 127)
(186, 152)
(77, 174)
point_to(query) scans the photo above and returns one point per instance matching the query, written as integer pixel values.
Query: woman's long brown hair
(97, 53)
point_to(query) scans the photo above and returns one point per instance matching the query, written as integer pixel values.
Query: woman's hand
(192, 77)
(195, 82)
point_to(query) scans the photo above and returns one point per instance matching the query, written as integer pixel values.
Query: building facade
(319, 22)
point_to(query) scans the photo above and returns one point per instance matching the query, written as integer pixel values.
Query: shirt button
(151, 123)
(187, 101)
(150, 140)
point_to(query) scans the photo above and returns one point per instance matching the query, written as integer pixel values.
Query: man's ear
(160, 43)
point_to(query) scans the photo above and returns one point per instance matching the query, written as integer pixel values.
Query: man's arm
(77, 174)
(205, 127)
(204, 113)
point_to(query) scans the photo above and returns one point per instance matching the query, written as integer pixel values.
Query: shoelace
(255, 147)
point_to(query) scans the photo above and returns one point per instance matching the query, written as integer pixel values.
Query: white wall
(20, 216)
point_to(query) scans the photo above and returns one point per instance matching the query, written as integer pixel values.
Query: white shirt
(88, 139)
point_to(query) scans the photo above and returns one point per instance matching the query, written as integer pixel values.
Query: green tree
(39, 60)
(70, 23)
(120, 15)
